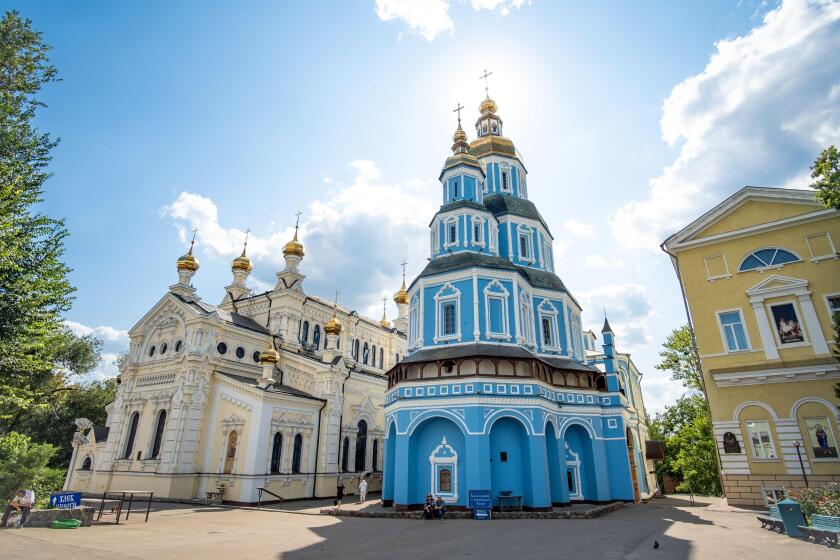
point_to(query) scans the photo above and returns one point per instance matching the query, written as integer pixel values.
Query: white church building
(281, 391)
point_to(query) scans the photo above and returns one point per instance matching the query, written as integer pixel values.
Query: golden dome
(242, 263)
(487, 106)
(384, 322)
(402, 295)
(293, 247)
(460, 135)
(269, 355)
(333, 326)
(188, 261)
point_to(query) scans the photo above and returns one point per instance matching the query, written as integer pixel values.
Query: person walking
(22, 505)
(363, 485)
(339, 494)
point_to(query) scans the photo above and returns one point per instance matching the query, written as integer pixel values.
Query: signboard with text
(66, 500)
(481, 503)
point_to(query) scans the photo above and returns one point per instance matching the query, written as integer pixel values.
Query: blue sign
(66, 500)
(481, 502)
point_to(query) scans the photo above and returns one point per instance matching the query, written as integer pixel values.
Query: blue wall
(424, 440)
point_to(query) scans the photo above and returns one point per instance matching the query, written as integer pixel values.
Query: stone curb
(588, 514)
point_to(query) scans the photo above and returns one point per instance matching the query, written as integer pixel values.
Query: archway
(510, 460)
(361, 446)
(631, 456)
(580, 465)
(390, 465)
(437, 462)
(555, 463)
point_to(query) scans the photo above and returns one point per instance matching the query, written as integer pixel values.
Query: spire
(488, 123)
(401, 297)
(242, 262)
(460, 145)
(606, 328)
(333, 326)
(188, 261)
(384, 322)
(294, 247)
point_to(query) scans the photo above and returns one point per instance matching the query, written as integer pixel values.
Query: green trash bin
(792, 517)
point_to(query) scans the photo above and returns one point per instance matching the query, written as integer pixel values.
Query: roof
(276, 388)
(229, 317)
(493, 144)
(501, 204)
(465, 259)
(100, 433)
(491, 351)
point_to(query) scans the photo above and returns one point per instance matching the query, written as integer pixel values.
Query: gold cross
(297, 220)
(247, 231)
(484, 77)
(403, 267)
(336, 298)
(458, 110)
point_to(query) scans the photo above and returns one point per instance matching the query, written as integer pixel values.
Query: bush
(23, 464)
(822, 500)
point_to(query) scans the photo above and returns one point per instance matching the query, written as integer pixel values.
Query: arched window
(764, 258)
(375, 461)
(356, 349)
(276, 448)
(304, 333)
(132, 434)
(365, 353)
(397, 360)
(345, 450)
(316, 336)
(161, 424)
(230, 454)
(381, 358)
(361, 445)
(373, 356)
(445, 482)
(337, 343)
(296, 451)
(86, 464)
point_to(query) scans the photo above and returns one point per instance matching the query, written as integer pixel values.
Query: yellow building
(761, 277)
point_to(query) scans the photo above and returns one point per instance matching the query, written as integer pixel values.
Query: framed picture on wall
(821, 437)
(787, 323)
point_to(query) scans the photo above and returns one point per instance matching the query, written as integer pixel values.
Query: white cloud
(354, 240)
(104, 333)
(577, 229)
(628, 308)
(758, 114)
(600, 261)
(428, 18)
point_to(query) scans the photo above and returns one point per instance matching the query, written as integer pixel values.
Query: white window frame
(769, 267)
(546, 310)
(478, 221)
(526, 232)
(414, 323)
(447, 223)
(440, 300)
(775, 329)
(726, 274)
(818, 258)
(722, 329)
(450, 462)
(831, 311)
(504, 296)
(504, 173)
(456, 189)
(526, 318)
(772, 456)
(434, 239)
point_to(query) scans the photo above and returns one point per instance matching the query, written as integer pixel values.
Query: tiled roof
(492, 351)
(276, 388)
(501, 204)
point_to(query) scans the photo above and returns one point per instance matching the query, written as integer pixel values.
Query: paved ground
(177, 532)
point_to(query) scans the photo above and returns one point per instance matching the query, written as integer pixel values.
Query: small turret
(268, 359)
(241, 268)
(187, 266)
(401, 299)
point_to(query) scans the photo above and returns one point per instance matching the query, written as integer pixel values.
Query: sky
(634, 118)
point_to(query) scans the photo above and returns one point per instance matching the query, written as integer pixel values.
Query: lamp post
(801, 464)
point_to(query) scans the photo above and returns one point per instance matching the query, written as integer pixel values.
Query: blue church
(500, 389)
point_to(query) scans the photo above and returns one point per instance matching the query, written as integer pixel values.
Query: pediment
(777, 283)
(169, 312)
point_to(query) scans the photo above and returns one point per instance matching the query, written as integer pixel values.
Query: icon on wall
(787, 323)
(822, 440)
(730, 443)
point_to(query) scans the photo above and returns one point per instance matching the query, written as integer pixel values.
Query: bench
(773, 520)
(823, 527)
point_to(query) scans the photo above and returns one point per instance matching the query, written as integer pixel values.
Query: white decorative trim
(818, 258)
(504, 296)
(709, 276)
(780, 375)
(723, 332)
(440, 300)
(736, 415)
(451, 462)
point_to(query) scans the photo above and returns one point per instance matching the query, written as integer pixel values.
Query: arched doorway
(510, 460)
(555, 464)
(437, 462)
(580, 465)
(631, 456)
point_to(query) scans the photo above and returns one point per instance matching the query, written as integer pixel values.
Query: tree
(826, 171)
(34, 290)
(23, 464)
(678, 357)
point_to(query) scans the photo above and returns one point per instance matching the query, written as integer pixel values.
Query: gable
(754, 212)
(167, 312)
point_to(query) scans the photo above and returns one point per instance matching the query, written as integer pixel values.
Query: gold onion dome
(293, 247)
(242, 262)
(402, 295)
(269, 355)
(333, 326)
(384, 322)
(188, 261)
(487, 106)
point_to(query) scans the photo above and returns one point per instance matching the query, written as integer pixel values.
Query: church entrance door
(631, 455)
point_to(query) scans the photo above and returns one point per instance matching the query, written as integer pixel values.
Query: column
(812, 323)
(401, 483)
(767, 339)
(540, 490)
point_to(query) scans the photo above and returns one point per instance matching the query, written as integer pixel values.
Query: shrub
(822, 500)
(23, 464)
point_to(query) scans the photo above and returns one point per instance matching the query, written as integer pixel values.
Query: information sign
(481, 503)
(66, 500)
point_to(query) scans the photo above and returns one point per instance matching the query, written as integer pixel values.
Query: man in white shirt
(363, 490)
(22, 505)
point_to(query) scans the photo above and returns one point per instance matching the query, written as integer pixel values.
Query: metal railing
(267, 491)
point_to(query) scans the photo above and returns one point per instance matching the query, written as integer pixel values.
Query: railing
(267, 491)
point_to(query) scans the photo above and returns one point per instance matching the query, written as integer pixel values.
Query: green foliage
(53, 422)
(690, 457)
(34, 290)
(678, 357)
(822, 500)
(826, 171)
(23, 464)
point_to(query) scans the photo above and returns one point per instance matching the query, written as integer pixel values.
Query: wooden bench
(773, 520)
(823, 527)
